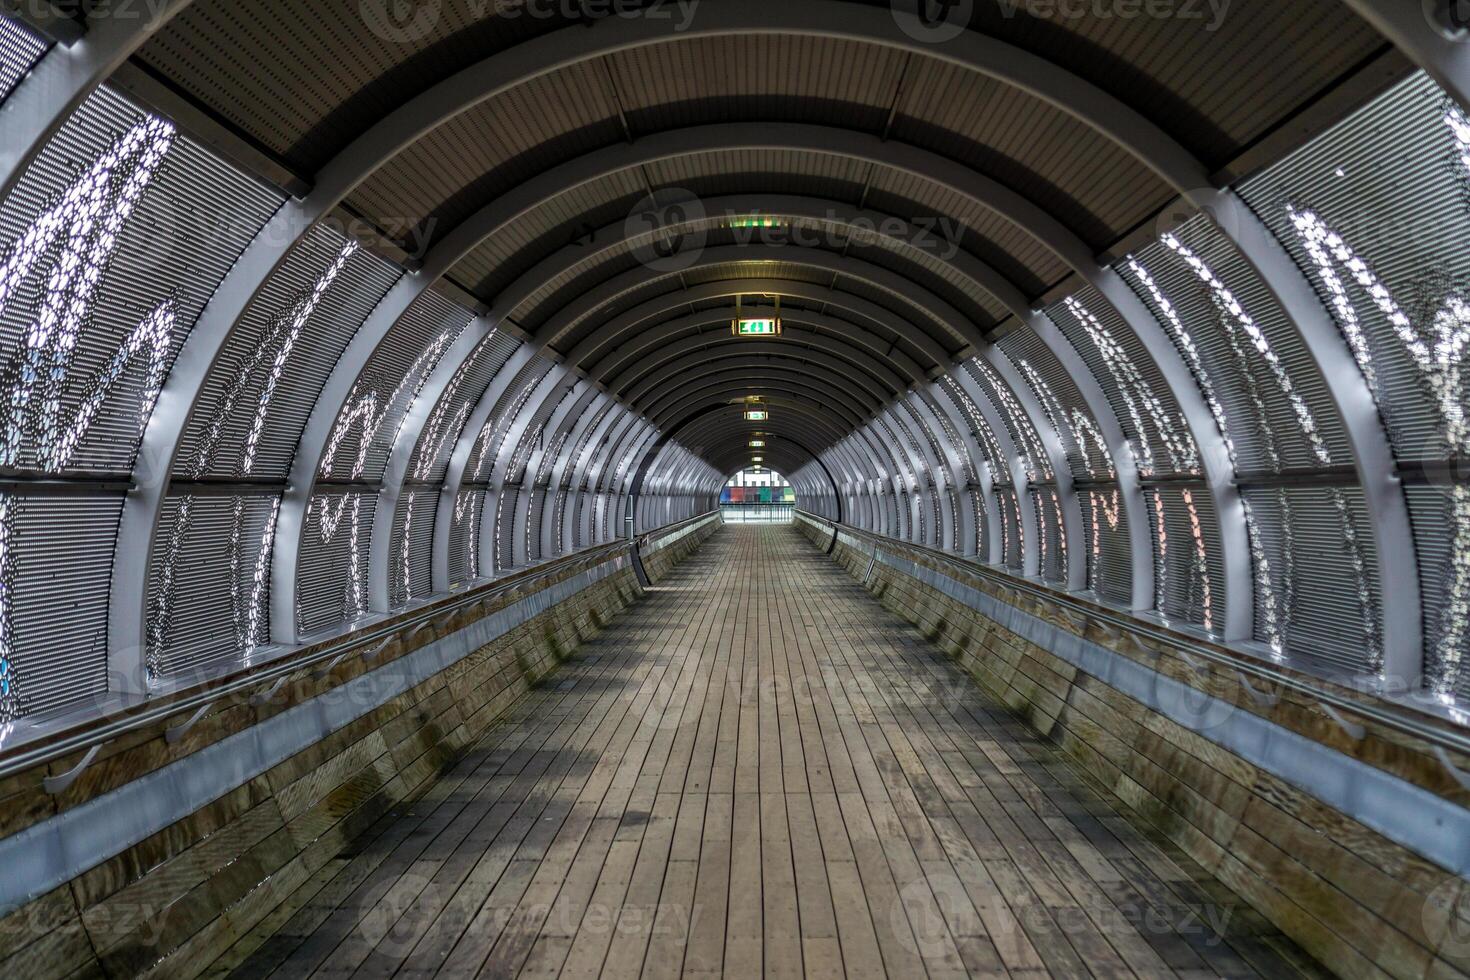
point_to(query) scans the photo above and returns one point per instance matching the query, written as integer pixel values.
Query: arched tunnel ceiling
(989, 247)
(828, 118)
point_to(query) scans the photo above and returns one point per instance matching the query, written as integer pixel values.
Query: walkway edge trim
(49, 854)
(1427, 824)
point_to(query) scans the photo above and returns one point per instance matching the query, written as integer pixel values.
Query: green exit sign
(756, 415)
(757, 326)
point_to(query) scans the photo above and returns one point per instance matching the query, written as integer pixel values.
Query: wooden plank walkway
(755, 771)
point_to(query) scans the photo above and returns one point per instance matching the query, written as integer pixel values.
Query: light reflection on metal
(980, 426)
(1140, 400)
(278, 341)
(1192, 357)
(406, 576)
(70, 244)
(1034, 456)
(1201, 563)
(1436, 350)
(368, 412)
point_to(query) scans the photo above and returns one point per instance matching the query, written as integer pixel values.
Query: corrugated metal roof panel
(1068, 168)
(501, 142)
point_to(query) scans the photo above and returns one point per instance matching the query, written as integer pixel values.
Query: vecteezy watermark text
(410, 21)
(1211, 13)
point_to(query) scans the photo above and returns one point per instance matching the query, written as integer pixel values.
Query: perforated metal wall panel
(179, 223)
(210, 602)
(1012, 533)
(1377, 214)
(558, 521)
(1390, 182)
(335, 547)
(448, 417)
(983, 517)
(20, 49)
(410, 550)
(979, 428)
(1108, 552)
(1051, 527)
(464, 537)
(1109, 558)
(1189, 580)
(1023, 434)
(491, 438)
(505, 509)
(1248, 357)
(1127, 375)
(1063, 405)
(59, 553)
(389, 383)
(271, 371)
(1311, 596)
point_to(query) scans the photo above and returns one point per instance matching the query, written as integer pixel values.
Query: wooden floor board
(759, 771)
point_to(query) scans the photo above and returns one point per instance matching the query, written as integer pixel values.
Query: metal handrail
(205, 693)
(1243, 664)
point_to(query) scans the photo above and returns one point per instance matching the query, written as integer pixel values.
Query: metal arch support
(841, 335)
(731, 450)
(1125, 469)
(937, 468)
(562, 421)
(459, 458)
(902, 289)
(1060, 466)
(606, 335)
(302, 481)
(900, 466)
(1402, 626)
(1150, 145)
(936, 403)
(781, 458)
(623, 423)
(972, 51)
(985, 468)
(798, 414)
(619, 501)
(555, 383)
(583, 465)
(729, 389)
(793, 420)
(515, 427)
(963, 529)
(1219, 474)
(923, 466)
(701, 362)
(1404, 22)
(761, 371)
(1020, 483)
(528, 502)
(630, 430)
(612, 240)
(795, 343)
(1235, 557)
(63, 79)
(589, 414)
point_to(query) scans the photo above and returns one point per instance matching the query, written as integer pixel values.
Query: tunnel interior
(1115, 348)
